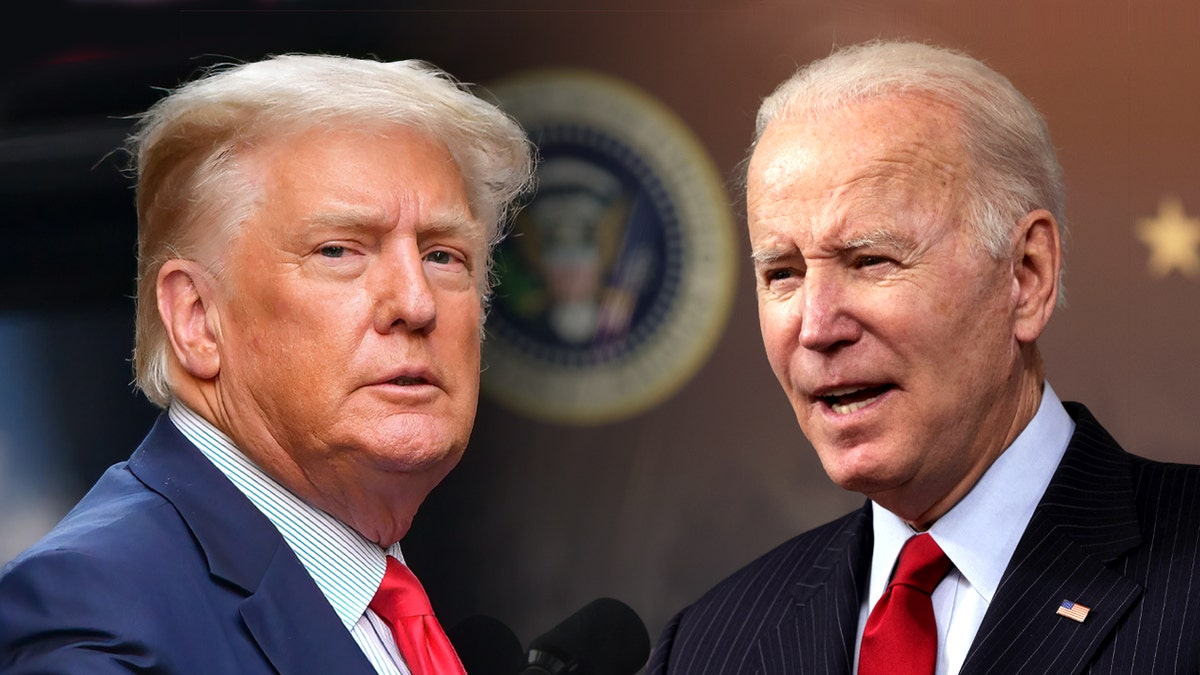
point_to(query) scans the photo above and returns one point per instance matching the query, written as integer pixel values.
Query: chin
(422, 454)
(857, 471)
(411, 449)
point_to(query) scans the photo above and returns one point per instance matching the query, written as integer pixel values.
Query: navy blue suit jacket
(165, 567)
(1114, 532)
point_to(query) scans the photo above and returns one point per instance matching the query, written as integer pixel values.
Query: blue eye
(333, 251)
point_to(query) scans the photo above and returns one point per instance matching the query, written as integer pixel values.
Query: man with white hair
(314, 250)
(905, 207)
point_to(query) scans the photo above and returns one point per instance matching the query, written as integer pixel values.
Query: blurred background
(691, 464)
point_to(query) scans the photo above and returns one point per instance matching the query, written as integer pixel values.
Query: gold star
(1172, 238)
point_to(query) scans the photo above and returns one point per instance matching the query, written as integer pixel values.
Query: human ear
(1037, 262)
(189, 317)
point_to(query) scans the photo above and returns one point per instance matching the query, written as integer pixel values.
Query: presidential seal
(618, 276)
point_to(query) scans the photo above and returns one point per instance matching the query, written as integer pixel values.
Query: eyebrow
(879, 237)
(766, 256)
(348, 217)
(452, 221)
(355, 217)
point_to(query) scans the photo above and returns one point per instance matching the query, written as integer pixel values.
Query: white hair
(1015, 169)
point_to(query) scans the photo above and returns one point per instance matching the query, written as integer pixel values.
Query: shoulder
(724, 622)
(97, 576)
(1146, 510)
(1168, 504)
(119, 520)
(1152, 476)
(1159, 543)
(797, 560)
(1163, 492)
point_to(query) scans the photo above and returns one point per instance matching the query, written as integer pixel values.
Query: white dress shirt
(979, 534)
(346, 566)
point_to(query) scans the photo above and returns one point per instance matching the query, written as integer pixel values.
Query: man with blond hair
(314, 245)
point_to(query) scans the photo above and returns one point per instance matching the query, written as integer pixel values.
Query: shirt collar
(346, 567)
(1000, 505)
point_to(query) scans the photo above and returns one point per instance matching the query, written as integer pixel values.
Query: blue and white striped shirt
(346, 566)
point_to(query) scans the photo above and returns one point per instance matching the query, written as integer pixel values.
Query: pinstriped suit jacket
(1114, 532)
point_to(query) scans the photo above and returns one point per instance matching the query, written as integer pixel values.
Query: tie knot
(400, 594)
(921, 565)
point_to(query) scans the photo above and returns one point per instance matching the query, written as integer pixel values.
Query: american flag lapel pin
(1073, 611)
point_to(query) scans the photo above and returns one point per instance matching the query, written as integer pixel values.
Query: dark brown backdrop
(541, 518)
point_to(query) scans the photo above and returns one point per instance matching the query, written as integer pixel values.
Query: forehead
(389, 169)
(884, 155)
(885, 135)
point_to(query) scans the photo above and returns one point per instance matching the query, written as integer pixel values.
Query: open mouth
(848, 399)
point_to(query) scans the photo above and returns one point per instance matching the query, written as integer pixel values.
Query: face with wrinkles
(349, 311)
(891, 333)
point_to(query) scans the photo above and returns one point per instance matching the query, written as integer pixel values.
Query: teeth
(847, 408)
(843, 391)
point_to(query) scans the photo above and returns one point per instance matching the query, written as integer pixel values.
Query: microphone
(486, 646)
(605, 637)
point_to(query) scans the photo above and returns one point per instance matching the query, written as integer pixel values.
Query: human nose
(403, 295)
(826, 320)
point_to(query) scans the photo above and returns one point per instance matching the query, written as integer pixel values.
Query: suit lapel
(817, 633)
(286, 613)
(1086, 519)
(238, 541)
(296, 628)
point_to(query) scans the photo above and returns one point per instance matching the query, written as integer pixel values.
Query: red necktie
(901, 637)
(403, 605)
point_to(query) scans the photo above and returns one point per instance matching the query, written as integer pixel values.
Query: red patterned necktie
(403, 605)
(901, 637)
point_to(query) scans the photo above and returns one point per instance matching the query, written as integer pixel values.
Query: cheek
(779, 336)
(967, 345)
(985, 317)
(459, 323)
(306, 340)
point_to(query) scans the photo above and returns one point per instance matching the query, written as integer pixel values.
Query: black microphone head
(486, 646)
(605, 637)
